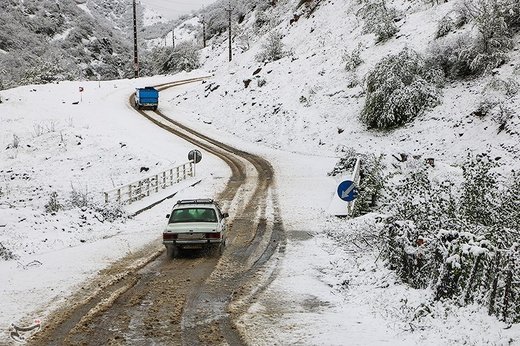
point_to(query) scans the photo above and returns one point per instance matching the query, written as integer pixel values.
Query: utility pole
(136, 59)
(173, 38)
(229, 10)
(204, 31)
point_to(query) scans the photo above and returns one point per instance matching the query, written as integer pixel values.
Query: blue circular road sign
(347, 190)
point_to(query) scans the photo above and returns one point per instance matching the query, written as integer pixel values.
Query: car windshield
(193, 215)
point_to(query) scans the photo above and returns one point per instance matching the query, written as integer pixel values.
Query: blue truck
(147, 97)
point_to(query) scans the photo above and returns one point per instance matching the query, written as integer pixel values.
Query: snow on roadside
(56, 139)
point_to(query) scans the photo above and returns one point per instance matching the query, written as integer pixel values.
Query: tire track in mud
(187, 300)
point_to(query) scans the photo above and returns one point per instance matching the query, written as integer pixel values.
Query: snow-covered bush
(261, 19)
(453, 55)
(53, 205)
(83, 200)
(272, 49)
(508, 87)
(479, 190)
(216, 21)
(491, 22)
(261, 82)
(462, 244)
(466, 54)
(352, 59)
(485, 107)
(497, 95)
(185, 57)
(6, 254)
(110, 212)
(80, 199)
(16, 142)
(379, 20)
(451, 21)
(444, 26)
(398, 89)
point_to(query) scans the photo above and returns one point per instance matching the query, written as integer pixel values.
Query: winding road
(196, 299)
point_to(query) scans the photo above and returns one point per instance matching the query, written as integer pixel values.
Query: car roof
(195, 203)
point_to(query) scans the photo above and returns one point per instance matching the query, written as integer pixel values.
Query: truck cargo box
(147, 97)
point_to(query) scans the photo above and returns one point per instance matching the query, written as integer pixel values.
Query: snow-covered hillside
(311, 90)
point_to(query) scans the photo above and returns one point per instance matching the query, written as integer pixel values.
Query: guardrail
(152, 184)
(356, 177)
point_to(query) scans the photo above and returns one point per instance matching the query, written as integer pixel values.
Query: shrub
(472, 55)
(80, 199)
(110, 212)
(53, 205)
(454, 19)
(185, 57)
(479, 190)
(352, 59)
(508, 87)
(272, 49)
(484, 108)
(460, 243)
(491, 24)
(509, 207)
(398, 89)
(16, 141)
(6, 254)
(261, 19)
(502, 115)
(444, 26)
(379, 20)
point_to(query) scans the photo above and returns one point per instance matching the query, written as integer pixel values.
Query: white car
(195, 223)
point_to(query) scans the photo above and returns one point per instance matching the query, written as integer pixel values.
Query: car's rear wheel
(172, 251)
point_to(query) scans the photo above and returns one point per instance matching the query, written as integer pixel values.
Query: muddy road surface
(194, 299)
